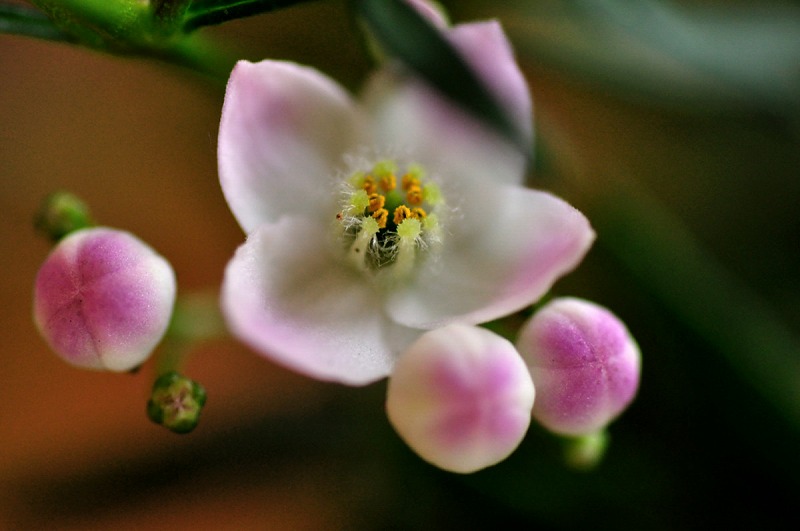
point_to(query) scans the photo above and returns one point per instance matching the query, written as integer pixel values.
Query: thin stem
(210, 12)
(195, 320)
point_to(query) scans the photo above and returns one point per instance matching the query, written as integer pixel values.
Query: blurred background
(673, 125)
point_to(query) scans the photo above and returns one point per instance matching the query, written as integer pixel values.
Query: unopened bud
(60, 214)
(585, 452)
(176, 402)
(103, 299)
(584, 364)
(461, 398)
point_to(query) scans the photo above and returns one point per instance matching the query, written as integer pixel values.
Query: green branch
(210, 12)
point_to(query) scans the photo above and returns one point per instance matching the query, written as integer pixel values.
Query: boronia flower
(103, 299)
(370, 222)
(461, 397)
(584, 363)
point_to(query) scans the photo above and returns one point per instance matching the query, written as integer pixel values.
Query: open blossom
(461, 397)
(584, 363)
(103, 299)
(371, 222)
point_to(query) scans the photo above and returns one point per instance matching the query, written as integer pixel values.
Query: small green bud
(60, 214)
(176, 402)
(586, 452)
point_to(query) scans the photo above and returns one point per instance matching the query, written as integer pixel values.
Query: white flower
(369, 223)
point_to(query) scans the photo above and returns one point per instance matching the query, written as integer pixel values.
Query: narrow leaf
(210, 12)
(21, 20)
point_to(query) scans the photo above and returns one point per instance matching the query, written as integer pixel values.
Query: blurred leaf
(22, 20)
(668, 261)
(209, 12)
(406, 35)
(715, 55)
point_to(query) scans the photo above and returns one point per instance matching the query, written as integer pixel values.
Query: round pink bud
(461, 397)
(584, 364)
(103, 299)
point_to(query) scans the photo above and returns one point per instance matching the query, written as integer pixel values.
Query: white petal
(413, 118)
(506, 251)
(283, 131)
(286, 297)
(488, 52)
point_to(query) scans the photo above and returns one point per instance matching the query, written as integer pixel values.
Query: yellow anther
(414, 195)
(388, 182)
(376, 202)
(400, 213)
(381, 216)
(408, 181)
(369, 185)
(418, 213)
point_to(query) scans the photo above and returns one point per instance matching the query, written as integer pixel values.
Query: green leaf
(669, 262)
(406, 35)
(209, 12)
(711, 56)
(22, 20)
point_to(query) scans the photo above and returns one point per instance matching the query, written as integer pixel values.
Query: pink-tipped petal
(412, 117)
(283, 131)
(486, 49)
(286, 297)
(493, 265)
(103, 299)
(584, 363)
(430, 12)
(409, 118)
(461, 398)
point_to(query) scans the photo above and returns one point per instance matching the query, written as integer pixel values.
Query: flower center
(386, 221)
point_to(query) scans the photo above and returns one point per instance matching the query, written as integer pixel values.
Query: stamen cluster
(385, 224)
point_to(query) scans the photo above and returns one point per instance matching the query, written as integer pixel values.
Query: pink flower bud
(461, 398)
(584, 364)
(103, 299)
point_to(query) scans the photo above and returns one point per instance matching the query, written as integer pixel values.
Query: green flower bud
(60, 214)
(586, 452)
(176, 402)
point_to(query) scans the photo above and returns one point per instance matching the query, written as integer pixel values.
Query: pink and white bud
(584, 363)
(103, 299)
(461, 398)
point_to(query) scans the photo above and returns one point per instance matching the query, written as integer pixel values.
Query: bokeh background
(673, 125)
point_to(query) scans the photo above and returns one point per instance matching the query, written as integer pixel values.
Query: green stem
(195, 320)
(210, 12)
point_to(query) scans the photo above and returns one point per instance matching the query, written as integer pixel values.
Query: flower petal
(283, 130)
(492, 265)
(411, 117)
(286, 297)
(430, 12)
